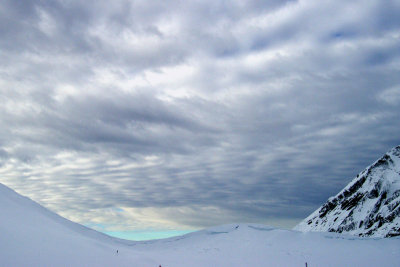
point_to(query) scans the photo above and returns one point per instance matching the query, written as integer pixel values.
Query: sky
(179, 115)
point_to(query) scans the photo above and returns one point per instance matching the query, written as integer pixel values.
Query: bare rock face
(368, 206)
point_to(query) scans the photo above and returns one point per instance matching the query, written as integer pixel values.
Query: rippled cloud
(171, 115)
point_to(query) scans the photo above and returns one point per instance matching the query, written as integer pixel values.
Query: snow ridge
(367, 206)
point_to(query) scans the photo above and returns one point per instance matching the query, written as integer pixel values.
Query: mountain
(368, 206)
(31, 235)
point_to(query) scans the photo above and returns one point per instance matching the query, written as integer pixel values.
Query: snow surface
(368, 206)
(31, 235)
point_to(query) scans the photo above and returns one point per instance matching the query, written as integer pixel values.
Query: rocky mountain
(368, 206)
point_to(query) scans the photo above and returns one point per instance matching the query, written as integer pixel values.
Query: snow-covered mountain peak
(367, 206)
(34, 236)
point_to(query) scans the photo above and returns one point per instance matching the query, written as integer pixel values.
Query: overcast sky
(127, 115)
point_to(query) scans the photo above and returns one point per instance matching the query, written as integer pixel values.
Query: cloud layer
(130, 115)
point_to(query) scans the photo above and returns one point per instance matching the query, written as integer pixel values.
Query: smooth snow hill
(31, 235)
(368, 206)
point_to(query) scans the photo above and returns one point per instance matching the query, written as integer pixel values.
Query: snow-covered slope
(33, 236)
(368, 206)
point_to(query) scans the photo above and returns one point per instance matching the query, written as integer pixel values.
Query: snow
(31, 235)
(367, 206)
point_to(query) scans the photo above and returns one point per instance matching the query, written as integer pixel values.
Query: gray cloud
(133, 114)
